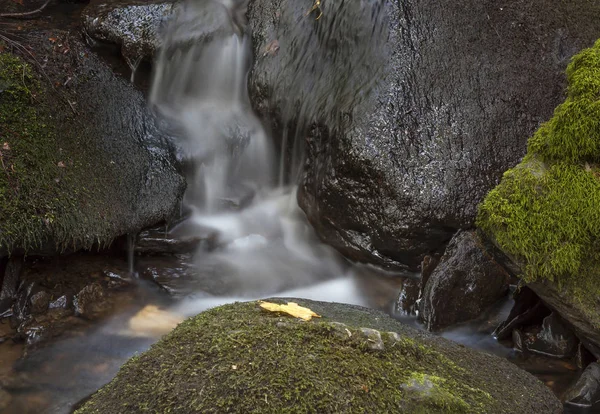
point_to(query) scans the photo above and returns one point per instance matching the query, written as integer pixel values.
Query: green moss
(573, 133)
(43, 188)
(545, 212)
(238, 358)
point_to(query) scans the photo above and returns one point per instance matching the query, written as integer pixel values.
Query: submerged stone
(239, 358)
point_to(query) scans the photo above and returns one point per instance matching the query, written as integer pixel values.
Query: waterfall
(200, 87)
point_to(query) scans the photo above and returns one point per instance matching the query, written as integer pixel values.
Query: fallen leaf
(6, 147)
(291, 308)
(52, 39)
(61, 164)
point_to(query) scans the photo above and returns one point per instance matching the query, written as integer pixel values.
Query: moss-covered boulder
(81, 158)
(545, 214)
(240, 358)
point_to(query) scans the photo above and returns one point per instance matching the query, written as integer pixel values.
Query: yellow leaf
(291, 308)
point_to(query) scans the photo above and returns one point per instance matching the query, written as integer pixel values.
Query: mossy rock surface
(240, 358)
(82, 159)
(545, 213)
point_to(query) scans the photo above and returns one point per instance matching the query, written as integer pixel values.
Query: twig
(25, 14)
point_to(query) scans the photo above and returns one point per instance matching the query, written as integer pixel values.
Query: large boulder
(544, 214)
(240, 358)
(462, 86)
(83, 161)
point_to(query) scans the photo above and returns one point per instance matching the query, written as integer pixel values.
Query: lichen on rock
(239, 358)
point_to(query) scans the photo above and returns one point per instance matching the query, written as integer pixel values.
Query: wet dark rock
(124, 178)
(134, 25)
(40, 302)
(160, 242)
(89, 302)
(527, 310)
(552, 338)
(464, 84)
(39, 329)
(466, 282)
(586, 392)
(21, 310)
(11, 275)
(428, 265)
(407, 299)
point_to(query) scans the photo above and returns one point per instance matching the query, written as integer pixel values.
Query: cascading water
(200, 87)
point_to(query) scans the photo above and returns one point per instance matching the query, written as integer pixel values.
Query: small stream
(254, 241)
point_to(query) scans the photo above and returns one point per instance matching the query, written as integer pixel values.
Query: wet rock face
(134, 25)
(466, 282)
(465, 84)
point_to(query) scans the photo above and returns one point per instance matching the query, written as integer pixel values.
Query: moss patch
(238, 358)
(545, 212)
(41, 181)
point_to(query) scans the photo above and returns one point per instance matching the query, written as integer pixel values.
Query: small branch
(25, 14)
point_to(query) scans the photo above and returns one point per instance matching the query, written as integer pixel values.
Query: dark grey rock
(466, 283)
(40, 302)
(428, 265)
(159, 241)
(586, 391)
(407, 299)
(89, 302)
(464, 84)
